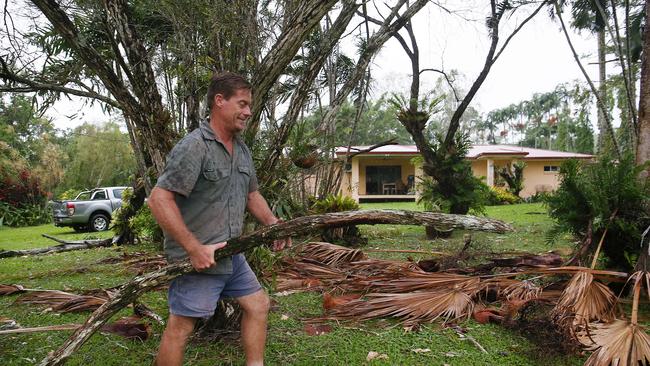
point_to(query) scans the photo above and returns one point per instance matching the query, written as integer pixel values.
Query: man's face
(235, 111)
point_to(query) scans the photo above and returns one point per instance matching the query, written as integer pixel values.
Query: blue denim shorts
(195, 295)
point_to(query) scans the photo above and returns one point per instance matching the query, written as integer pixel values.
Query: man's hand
(202, 256)
(280, 244)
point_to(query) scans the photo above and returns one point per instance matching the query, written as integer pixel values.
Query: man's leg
(253, 326)
(174, 339)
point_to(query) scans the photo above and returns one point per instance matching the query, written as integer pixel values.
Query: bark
(307, 16)
(130, 291)
(643, 141)
(603, 135)
(66, 247)
(301, 94)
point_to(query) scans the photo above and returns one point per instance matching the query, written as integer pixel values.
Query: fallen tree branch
(68, 246)
(130, 291)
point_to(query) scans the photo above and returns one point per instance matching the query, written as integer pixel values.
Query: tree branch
(303, 225)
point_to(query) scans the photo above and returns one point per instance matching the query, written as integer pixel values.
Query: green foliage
(334, 203)
(376, 124)
(69, 194)
(514, 176)
(144, 225)
(429, 197)
(27, 215)
(591, 193)
(501, 196)
(557, 120)
(99, 156)
(455, 188)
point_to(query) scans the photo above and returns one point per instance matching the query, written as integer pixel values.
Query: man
(199, 202)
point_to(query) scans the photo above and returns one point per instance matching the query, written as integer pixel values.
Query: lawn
(288, 344)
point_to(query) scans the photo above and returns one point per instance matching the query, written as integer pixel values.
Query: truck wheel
(80, 228)
(98, 222)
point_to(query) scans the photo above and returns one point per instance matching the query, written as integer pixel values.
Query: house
(390, 172)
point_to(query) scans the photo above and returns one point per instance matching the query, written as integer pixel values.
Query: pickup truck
(93, 214)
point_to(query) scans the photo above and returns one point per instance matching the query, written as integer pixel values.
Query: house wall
(479, 169)
(403, 161)
(537, 180)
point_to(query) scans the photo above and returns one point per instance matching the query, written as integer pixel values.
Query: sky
(535, 61)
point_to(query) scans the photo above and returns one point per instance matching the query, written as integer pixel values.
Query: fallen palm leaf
(585, 300)
(330, 302)
(10, 289)
(284, 284)
(129, 327)
(484, 316)
(412, 281)
(331, 254)
(60, 301)
(522, 290)
(620, 342)
(413, 307)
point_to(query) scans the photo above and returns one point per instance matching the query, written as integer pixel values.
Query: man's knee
(256, 305)
(179, 328)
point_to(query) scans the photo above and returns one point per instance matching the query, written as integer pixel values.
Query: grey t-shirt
(211, 189)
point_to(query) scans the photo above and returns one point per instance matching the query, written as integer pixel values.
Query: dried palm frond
(621, 342)
(585, 300)
(383, 267)
(284, 284)
(415, 307)
(331, 254)
(10, 289)
(330, 302)
(130, 327)
(61, 301)
(617, 343)
(522, 290)
(309, 268)
(412, 281)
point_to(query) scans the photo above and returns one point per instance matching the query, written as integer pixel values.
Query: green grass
(288, 344)
(31, 237)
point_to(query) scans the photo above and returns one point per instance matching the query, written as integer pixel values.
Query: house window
(383, 179)
(551, 168)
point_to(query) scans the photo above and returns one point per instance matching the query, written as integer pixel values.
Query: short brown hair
(226, 84)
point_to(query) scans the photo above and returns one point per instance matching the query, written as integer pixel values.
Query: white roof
(475, 152)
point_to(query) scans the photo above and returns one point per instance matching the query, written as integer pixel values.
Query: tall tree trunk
(603, 133)
(643, 140)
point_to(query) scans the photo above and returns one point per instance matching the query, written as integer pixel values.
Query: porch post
(419, 174)
(490, 172)
(354, 179)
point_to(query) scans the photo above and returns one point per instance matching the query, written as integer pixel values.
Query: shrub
(334, 203)
(27, 215)
(590, 193)
(348, 235)
(144, 225)
(503, 196)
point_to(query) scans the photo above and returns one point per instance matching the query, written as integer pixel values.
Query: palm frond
(585, 300)
(60, 301)
(414, 281)
(617, 343)
(522, 290)
(10, 289)
(415, 307)
(331, 254)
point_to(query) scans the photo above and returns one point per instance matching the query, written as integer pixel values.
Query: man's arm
(165, 210)
(258, 207)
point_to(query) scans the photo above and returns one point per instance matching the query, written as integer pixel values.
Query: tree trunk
(130, 291)
(603, 132)
(68, 246)
(643, 140)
